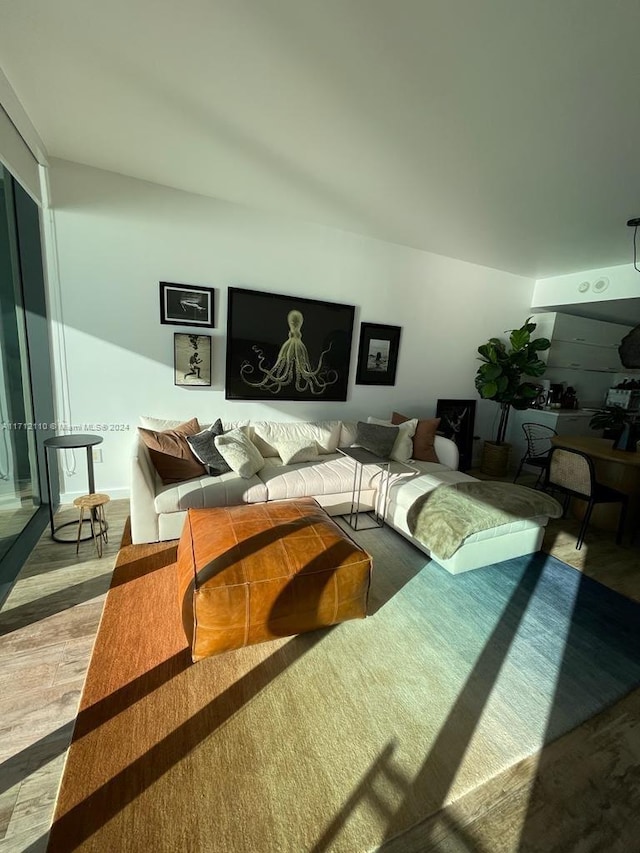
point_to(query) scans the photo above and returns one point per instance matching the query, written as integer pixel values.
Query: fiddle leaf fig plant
(500, 376)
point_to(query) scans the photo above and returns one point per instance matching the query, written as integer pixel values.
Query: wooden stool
(95, 503)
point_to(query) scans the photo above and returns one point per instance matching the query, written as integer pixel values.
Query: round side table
(71, 442)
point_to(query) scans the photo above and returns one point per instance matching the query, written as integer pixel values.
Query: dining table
(619, 469)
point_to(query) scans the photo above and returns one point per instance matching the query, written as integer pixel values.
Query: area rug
(340, 739)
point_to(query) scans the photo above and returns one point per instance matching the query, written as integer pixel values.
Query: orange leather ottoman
(256, 572)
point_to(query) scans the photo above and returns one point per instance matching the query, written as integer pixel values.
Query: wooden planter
(495, 459)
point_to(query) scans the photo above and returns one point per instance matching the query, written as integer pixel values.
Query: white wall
(117, 237)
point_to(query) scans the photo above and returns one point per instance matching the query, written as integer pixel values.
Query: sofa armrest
(447, 452)
(144, 518)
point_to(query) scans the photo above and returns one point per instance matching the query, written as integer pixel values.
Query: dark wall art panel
(457, 422)
(286, 348)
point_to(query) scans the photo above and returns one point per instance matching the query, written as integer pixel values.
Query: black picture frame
(378, 354)
(191, 360)
(187, 305)
(286, 347)
(457, 422)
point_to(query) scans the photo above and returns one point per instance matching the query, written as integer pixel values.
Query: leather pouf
(256, 572)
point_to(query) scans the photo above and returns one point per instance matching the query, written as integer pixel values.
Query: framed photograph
(457, 422)
(186, 305)
(286, 347)
(192, 359)
(378, 354)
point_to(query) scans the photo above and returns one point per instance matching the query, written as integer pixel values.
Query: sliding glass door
(20, 486)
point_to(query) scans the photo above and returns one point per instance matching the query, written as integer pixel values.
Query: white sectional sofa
(158, 511)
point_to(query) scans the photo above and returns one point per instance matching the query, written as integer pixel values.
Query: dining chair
(538, 448)
(572, 473)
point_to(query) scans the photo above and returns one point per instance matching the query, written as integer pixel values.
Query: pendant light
(633, 223)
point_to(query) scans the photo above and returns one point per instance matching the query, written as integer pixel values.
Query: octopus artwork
(292, 365)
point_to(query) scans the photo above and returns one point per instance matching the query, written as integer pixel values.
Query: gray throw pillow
(204, 448)
(377, 439)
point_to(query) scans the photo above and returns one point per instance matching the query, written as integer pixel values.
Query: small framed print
(192, 359)
(378, 354)
(186, 305)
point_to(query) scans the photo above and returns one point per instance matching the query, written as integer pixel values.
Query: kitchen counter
(580, 411)
(563, 421)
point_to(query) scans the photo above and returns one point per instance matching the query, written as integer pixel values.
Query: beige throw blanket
(442, 519)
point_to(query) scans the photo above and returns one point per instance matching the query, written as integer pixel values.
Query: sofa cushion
(265, 434)
(403, 447)
(239, 452)
(204, 448)
(296, 450)
(329, 475)
(224, 490)
(423, 438)
(405, 493)
(170, 453)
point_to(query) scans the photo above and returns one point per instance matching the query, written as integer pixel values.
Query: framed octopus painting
(286, 348)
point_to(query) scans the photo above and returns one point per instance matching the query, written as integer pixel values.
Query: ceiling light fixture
(634, 223)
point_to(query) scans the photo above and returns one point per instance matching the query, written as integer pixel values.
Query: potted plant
(500, 378)
(620, 423)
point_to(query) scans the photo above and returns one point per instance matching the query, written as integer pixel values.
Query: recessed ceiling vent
(600, 285)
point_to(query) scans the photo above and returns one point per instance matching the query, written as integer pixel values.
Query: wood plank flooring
(48, 626)
(581, 793)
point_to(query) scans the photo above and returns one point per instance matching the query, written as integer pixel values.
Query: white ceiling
(500, 132)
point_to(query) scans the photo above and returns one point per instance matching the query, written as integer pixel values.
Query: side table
(363, 457)
(71, 442)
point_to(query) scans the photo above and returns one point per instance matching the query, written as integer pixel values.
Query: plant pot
(495, 459)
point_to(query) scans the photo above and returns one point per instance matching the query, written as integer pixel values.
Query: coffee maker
(556, 390)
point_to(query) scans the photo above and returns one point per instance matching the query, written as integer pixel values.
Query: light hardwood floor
(580, 787)
(47, 628)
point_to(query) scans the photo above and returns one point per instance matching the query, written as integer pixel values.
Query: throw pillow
(159, 424)
(348, 434)
(170, 453)
(423, 440)
(295, 450)
(266, 434)
(204, 449)
(403, 447)
(240, 454)
(376, 438)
